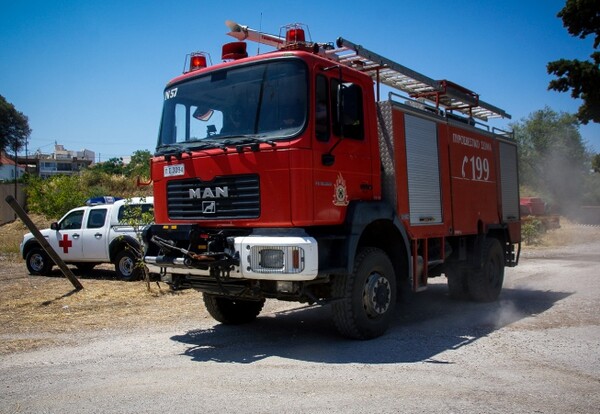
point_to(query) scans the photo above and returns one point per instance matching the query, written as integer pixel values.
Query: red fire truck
(286, 175)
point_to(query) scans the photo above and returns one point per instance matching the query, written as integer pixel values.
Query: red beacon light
(234, 51)
(295, 36)
(197, 61)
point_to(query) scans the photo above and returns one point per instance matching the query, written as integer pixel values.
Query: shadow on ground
(429, 325)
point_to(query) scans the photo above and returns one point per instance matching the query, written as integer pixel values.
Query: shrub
(53, 197)
(532, 231)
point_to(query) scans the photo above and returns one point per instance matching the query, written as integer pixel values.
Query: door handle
(76, 236)
(98, 235)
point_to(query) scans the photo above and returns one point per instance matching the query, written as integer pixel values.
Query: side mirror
(54, 226)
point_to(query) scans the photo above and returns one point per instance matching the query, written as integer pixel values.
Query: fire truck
(288, 175)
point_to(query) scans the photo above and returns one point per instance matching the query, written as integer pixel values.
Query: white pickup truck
(90, 235)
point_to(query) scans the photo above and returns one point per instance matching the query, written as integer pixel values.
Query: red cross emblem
(65, 243)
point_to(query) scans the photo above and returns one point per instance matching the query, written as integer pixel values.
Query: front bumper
(270, 256)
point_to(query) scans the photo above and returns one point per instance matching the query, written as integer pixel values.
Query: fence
(7, 214)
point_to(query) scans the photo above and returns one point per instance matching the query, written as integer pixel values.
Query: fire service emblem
(340, 195)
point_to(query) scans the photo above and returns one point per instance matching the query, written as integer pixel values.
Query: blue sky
(90, 74)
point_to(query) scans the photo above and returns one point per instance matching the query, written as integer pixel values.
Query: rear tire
(457, 282)
(364, 301)
(38, 262)
(232, 311)
(485, 283)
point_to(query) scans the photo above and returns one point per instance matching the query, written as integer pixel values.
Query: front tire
(126, 266)
(38, 262)
(232, 311)
(364, 301)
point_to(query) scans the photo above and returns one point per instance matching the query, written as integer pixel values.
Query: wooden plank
(43, 242)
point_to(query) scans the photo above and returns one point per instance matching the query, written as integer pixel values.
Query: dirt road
(537, 350)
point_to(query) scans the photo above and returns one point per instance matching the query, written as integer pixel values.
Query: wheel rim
(37, 262)
(377, 295)
(126, 266)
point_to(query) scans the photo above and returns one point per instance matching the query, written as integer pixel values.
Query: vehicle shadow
(100, 272)
(427, 326)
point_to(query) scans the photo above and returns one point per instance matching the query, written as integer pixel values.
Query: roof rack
(449, 95)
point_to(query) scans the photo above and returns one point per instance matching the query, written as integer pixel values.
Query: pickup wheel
(126, 266)
(38, 262)
(485, 283)
(365, 300)
(232, 311)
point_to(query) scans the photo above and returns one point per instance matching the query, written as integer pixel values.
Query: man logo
(209, 207)
(217, 192)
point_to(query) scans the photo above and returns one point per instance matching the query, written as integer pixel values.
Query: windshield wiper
(169, 150)
(209, 143)
(251, 142)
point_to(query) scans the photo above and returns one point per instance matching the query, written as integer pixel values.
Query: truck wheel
(365, 300)
(457, 282)
(38, 262)
(232, 311)
(485, 283)
(126, 266)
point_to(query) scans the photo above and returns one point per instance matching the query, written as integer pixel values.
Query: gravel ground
(536, 350)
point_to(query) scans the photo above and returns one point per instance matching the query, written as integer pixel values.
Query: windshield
(266, 100)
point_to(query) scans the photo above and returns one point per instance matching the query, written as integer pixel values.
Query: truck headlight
(277, 256)
(276, 259)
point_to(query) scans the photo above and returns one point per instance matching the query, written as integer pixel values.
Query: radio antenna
(259, 31)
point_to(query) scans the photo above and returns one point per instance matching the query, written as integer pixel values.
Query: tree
(596, 163)
(552, 155)
(112, 166)
(581, 18)
(139, 166)
(14, 126)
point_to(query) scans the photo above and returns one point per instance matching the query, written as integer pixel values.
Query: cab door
(342, 159)
(67, 240)
(94, 234)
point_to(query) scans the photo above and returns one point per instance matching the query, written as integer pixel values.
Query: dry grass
(34, 309)
(568, 234)
(12, 233)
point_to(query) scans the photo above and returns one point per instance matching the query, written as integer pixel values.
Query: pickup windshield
(265, 101)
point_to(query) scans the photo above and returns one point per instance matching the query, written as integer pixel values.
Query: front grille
(230, 197)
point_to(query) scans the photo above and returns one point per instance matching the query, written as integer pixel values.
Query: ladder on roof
(449, 95)
(443, 93)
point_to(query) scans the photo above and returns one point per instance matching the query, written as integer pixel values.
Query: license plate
(174, 170)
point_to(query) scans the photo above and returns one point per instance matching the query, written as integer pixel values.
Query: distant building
(61, 161)
(7, 168)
